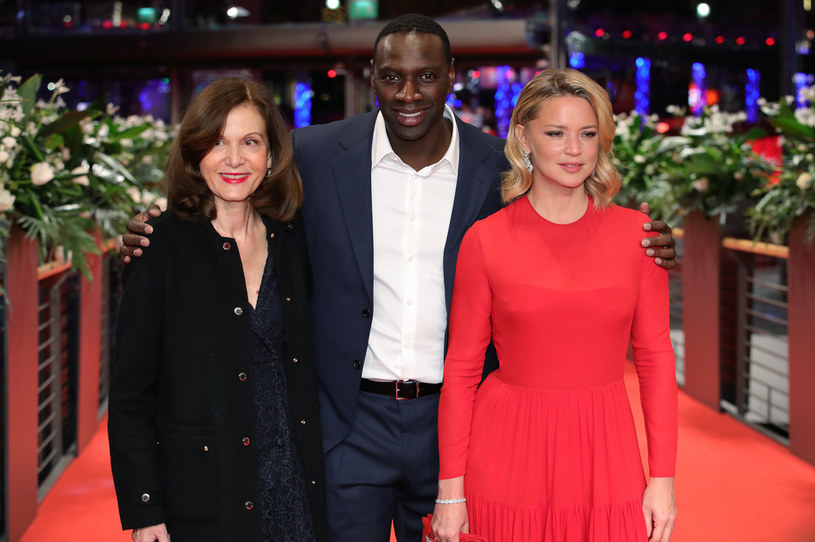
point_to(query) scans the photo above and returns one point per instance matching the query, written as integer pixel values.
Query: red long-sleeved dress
(547, 444)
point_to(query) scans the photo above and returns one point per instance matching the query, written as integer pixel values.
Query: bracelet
(451, 501)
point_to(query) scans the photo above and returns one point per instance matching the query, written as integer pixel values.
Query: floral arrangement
(711, 166)
(65, 173)
(793, 195)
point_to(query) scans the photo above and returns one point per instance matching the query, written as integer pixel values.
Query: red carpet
(733, 485)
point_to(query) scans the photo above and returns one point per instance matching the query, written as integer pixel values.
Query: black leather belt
(400, 390)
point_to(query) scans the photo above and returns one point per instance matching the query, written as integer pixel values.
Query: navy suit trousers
(386, 470)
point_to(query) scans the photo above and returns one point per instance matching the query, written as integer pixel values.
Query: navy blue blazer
(335, 164)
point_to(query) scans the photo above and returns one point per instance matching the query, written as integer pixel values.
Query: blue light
(577, 60)
(801, 80)
(302, 105)
(697, 95)
(503, 99)
(752, 91)
(642, 96)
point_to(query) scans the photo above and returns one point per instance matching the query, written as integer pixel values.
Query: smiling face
(563, 142)
(411, 79)
(236, 164)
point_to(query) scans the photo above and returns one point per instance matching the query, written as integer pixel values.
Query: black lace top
(285, 509)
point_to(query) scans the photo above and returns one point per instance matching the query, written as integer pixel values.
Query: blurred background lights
(662, 35)
(702, 10)
(332, 4)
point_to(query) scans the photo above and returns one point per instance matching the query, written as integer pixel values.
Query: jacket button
(288, 300)
(245, 441)
(145, 497)
(290, 227)
(357, 364)
(242, 377)
(227, 245)
(206, 448)
(248, 505)
(294, 360)
(238, 311)
(366, 313)
(314, 482)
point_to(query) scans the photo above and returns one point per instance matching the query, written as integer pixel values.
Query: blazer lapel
(352, 173)
(472, 187)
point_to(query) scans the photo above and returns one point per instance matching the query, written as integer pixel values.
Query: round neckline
(546, 220)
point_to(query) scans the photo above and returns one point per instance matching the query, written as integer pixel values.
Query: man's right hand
(137, 228)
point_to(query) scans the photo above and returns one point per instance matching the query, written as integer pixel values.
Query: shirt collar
(382, 149)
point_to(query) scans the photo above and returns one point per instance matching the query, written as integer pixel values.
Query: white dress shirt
(411, 216)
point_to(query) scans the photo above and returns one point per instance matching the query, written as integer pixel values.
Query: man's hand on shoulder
(137, 229)
(661, 247)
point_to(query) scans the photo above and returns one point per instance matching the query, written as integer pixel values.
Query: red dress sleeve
(656, 371)
(469, 336)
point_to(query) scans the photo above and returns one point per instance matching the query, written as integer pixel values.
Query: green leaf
(116, 166)
(28, 92)
(130, 133)
(68, 120)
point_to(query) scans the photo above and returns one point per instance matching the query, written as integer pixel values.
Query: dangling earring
(268, 171)
(528, 162)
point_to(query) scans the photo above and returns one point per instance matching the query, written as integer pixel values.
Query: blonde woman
(545, 449)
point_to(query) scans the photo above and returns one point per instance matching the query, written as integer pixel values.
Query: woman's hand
(659, 507)
(152, 533)
(450, 519)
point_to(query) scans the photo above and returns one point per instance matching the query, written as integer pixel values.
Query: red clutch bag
(427, 534)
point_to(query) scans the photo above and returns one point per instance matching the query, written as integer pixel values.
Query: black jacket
(181, 415)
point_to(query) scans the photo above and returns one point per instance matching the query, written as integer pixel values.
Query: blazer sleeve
(133, 404)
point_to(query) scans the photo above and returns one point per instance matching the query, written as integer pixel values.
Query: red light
(332, 74)
(663, 127)
(720, 39)
(770, 42)
(687, 36)
(740, 40)
(599, 32)
(122, 24)
(107, 24)
(67, 24)
(144, 26)
(627, 34)
(662, 35)
(476, 74)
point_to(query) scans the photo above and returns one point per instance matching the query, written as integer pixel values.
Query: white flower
(6, 200)
(702, 184)
(15, 131)
(804, 181)
(60, 87)
(82, 172)
(41, 173)
(4, 156)
(9, 142)
(639, 159)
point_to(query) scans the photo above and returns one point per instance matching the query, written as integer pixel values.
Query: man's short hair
(415, 23)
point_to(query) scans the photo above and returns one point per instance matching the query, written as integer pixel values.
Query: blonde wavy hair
(601, 185)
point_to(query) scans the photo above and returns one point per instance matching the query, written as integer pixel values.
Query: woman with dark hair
(214, 421)
(545, 449)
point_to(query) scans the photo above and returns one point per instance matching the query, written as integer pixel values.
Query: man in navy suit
(388, 197)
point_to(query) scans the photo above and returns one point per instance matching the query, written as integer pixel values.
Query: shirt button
(410, 258)
(366, 313)
(238, 311)
(242, 377)
(302, 422)
(294, 360)
(357, 364)
(227, 245)
(248, 505)
(410, 302)
(206, 448)
(314, 482)
(245, 441)
(145, 497)
(288, 299)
